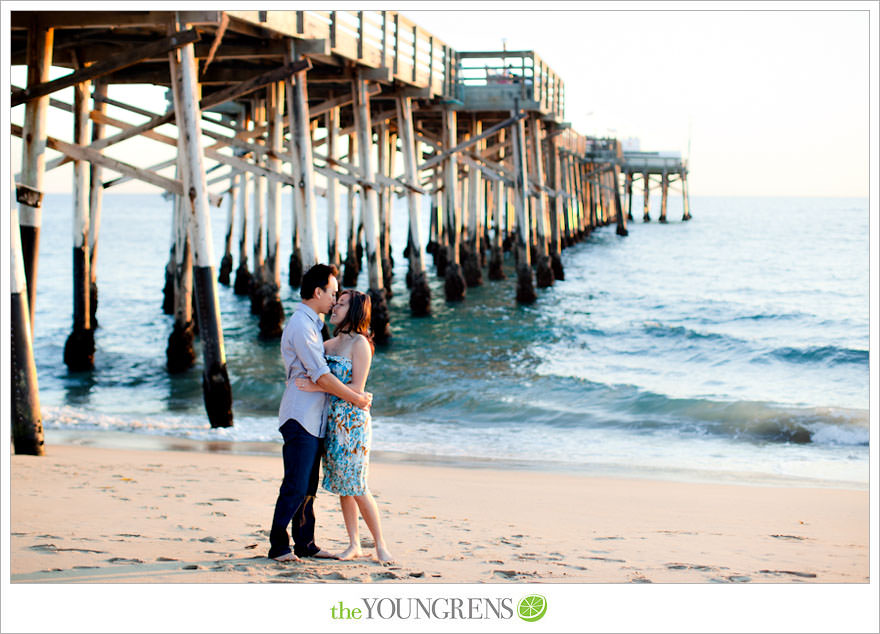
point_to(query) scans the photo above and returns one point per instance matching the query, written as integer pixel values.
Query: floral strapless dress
(347, 443)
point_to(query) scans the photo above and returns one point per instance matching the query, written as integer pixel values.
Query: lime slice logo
(532, 607)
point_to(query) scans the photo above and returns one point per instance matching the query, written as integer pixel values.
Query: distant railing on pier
(375, 39)
(488, 77)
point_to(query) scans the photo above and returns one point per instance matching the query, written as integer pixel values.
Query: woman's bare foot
(383, 555)
(352, 552)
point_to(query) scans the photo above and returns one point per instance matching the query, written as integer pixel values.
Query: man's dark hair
(316, 277)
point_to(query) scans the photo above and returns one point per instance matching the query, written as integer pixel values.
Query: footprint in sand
(166, 559)
(382, 576)
(791, 537)
(124, 560)
(807, 575)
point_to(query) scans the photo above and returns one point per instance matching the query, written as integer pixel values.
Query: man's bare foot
(383, 555)
(323, 554)
(352, 552)
(287, 557)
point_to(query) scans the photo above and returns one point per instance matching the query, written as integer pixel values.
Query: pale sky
(773, 102)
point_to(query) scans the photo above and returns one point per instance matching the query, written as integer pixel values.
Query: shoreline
(130, 440)
(99, 515)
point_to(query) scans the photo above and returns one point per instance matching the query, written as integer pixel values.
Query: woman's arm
(361, 358)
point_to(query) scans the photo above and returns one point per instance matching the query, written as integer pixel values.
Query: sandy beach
(103, 515)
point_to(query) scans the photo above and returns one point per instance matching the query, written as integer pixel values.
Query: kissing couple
(325, 414)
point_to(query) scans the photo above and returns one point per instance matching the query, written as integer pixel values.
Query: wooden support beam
(93, 156)
(218, 37)
(100, 69)
(469, 142)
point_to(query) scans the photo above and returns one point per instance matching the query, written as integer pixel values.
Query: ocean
(731, 348)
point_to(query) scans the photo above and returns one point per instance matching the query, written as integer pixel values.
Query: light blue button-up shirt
(302, 348)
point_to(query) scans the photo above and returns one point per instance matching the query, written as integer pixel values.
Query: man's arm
(330, 384)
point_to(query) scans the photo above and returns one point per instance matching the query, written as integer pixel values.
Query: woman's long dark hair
(357, 320)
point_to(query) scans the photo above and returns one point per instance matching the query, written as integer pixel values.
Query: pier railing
(375, 39)
(488, 79)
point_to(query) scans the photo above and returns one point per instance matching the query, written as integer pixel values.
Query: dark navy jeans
(296, 499)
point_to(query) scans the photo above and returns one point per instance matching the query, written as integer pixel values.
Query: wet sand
(102, 515)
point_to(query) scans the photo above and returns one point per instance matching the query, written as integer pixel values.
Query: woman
(347, 444)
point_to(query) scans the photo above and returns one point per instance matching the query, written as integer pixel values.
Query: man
(303, 416)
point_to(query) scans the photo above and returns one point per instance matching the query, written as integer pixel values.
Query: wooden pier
(315, 101)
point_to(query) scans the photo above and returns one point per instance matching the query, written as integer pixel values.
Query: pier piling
(369, 211)
(29, 192)
(420, 293)
(27, 424)
(664, 189)
(215, 380)
(525, 288)
(96, 196)
(271, 309)
(79, 349)
(231, 204)
(454, 285)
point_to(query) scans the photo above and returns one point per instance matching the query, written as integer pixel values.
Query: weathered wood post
(79, 349)
(331, 122)
(179, 352)
(440, 251)
(454, 286)
(646, 216)
(232, 203)
(96, 195)
(498, 205)
(385, 159)
(168, 289)
(420, 294)
(352, 260)
(576, 198)
(470, 239)
(543, 272)
(604, 195)
(258, 272)
(664, 189)
(29, 192)
(242, 283)
(303, 165)
(685, 198)
(615, 183)
(629, 195)
(369, 211)
(525, 289)
(215, 380)
(27, 425)
(557, 204)
(271, 309)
